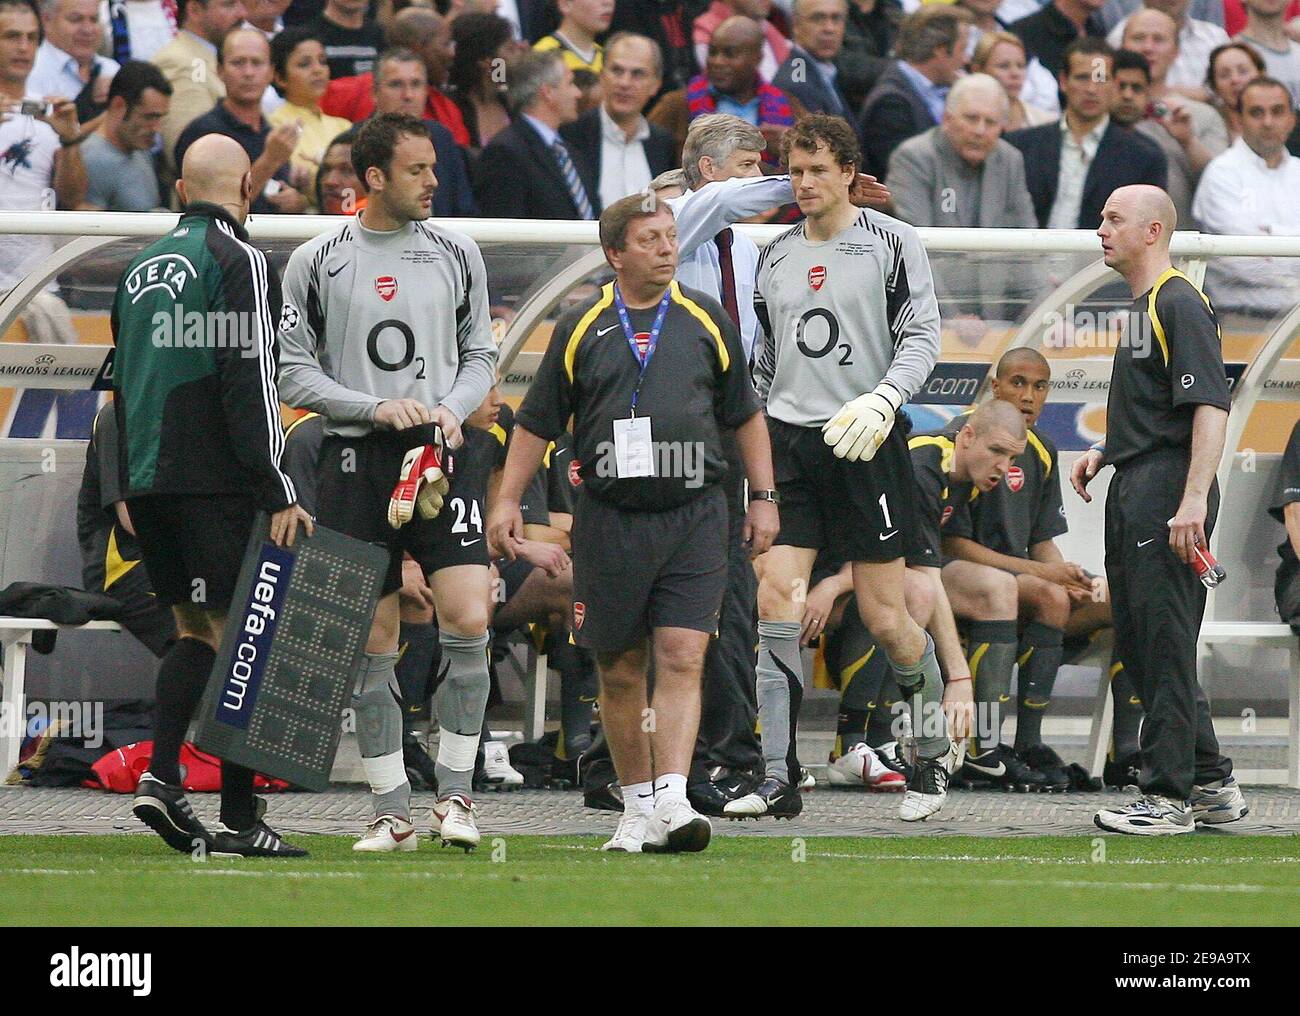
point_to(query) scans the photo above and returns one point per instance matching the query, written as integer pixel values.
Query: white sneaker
(1218, 802)
(859, 767)
(629, 835)
(1150, 815)
(497, 769)
(387, 834)
(675, 827)
(453, 822)
(927, 790)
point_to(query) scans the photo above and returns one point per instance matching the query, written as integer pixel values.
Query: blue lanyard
(642, 360)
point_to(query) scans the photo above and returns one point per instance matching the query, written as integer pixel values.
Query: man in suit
(203, 25)
(1074, 163)
(528, 171)
(625, 151)
(961, 173)
(908, 99)
(809, 72)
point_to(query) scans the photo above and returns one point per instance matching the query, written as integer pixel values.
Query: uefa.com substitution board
(294, 637)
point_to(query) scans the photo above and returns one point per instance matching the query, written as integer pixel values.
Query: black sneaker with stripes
(164, 809)
(259, 841)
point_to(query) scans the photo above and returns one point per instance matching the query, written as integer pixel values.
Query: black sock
(578, 684)
(1039, 655)
(880, 724)
(1128, 713)
(863, 668)
(420, 654)
(182, 677)
(850, 728)
(238, 806)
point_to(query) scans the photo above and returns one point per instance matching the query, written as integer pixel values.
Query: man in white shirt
(40, 167)
(624, 149)
(67, 62)
(1251, 189)
(136, 29)
(1196, 40)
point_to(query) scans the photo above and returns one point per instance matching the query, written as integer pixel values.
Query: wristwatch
(765, 495)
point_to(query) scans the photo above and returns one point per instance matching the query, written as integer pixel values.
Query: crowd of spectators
(992, 113)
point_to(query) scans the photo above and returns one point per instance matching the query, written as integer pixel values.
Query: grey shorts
(637, 571)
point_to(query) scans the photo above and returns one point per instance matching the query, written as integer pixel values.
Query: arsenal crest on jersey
(386, 287)
(947, 514)
(816, 276)
(575, 473)
(579, 613)
(1015, 478)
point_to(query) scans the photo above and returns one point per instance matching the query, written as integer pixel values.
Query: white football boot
(453, 822)
(497, 769)
(387, 834)
(927, 790)
(859, 767)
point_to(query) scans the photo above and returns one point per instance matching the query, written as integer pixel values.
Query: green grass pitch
(522, 880)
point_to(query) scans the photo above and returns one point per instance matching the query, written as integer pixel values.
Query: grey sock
(992, 655)
(780, 691)
(459, 701)
(922, 685)
(379, 734)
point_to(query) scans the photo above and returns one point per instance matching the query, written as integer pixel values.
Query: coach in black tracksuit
(1165, 422)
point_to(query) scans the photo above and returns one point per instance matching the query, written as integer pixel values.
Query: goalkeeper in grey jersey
(852, 332)
(385, 332)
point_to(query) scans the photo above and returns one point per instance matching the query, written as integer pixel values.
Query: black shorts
(192, 545)
(836, 506)
(637, 571)
(355, 481)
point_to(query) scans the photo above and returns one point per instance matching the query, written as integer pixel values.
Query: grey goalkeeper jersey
(371, 316)
(842, 315)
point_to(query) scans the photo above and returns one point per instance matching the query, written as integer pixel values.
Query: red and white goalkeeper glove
(423, 483)
(860, 427)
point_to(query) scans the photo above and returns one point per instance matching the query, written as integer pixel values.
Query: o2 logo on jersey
(575, 473)
(947, 514)
(1015, 478)
(816, 277)
(1188, 380)
(386, 287)
(579, 613)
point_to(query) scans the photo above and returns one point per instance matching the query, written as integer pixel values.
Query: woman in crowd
(1231, 67)
(478, 83)
(1002, 55)
(301, 76)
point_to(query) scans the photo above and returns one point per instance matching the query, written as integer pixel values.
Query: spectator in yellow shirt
(302, 75)
(580, 22)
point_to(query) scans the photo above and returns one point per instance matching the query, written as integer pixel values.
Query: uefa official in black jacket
(198, 415)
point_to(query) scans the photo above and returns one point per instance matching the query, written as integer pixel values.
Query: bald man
(1165, 423)
(731, 84)
(199, 443)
